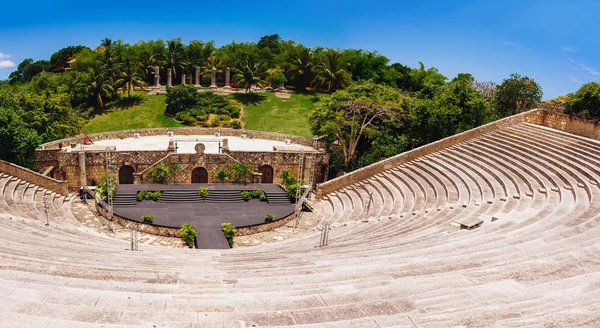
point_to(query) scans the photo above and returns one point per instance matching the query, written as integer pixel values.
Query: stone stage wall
(562, 122)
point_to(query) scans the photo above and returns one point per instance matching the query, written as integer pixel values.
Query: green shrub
(103, 188)
(147, 195)
(216, 120)
(189, 120)
(234, 112)
(147, 218)
(162, 173)
(188, 233)
(221, 111)
(236, 124)
(222, 175)
(180, 98)
(203, 191)
(247, 195)
(263, 197)
(270, 217)
(229, 231)
(179, 116)
(155, 196)
(241, 173)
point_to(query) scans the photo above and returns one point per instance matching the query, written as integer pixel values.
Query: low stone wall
(139, 226)
(536, 116)
(183, 131)
(60, 187)
(570, 124)
(250, 230)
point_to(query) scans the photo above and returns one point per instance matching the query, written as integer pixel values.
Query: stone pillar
(225, 147)
(82, 173)
(213, 78)
(169, 78)
(183, 79)
(156, 77)
(197, 79)
(227, 77)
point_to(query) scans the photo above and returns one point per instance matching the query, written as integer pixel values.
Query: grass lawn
(263, 111)
(148, 114)
(266, 112)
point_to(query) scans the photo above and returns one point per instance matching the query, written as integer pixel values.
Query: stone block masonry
(43, 181)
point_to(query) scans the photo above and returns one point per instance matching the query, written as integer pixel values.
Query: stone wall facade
(30, 176)
(570, 124)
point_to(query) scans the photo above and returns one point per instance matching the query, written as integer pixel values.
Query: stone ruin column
(227, 77)
(197, 79)
(183, 79)
(156, 77)
(169, 78)
(213, 78)
(225, 147)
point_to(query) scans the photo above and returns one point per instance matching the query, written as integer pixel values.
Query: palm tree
(99, 86)
(210, 63)
(130, 76)
(249, 74)
(175, 55)
(301, 65)
(331, 74)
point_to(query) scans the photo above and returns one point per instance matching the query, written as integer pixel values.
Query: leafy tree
(99, 86)
(556, 104)
(425, 82)
(17, 141)
(241, 173)
(517, 94)
(348, 115)
(103, 188)
(175, 57)
(275, 77)
(162, 173)
(300, 67)
(27, 69)
(60, 59)
(585, 103)
(248, 74)
(331, 73)
(129, 76)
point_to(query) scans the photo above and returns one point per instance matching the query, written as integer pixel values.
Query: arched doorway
(199, 175)
(126, 174)
(267, 174)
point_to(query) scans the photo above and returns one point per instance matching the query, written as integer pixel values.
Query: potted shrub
(270, 217)
(147, 218)
(203, 191)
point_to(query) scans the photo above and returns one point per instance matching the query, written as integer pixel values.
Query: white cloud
(4, 56)
(6, 64)
(574, 79)
(589, 71)
(512, 44)
(568, 49)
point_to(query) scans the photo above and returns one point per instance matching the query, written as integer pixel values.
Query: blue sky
(554, 42)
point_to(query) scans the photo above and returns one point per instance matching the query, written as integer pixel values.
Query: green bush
(147, 218)
(222, 175)
(216, 121)
(102, 189)
(147, 195)
(236, 124)
(189, 120)
(188, 233)
(162, 173)
(180, 98)
(229, 231)
(234, 112)
(247, 195)
(270, 217)
(203, 191)
(179, 116)
(241, 173)
(263, 197)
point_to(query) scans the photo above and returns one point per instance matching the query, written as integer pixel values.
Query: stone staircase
(278, 198)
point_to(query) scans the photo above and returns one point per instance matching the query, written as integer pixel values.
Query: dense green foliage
(162, 173)
(249, 194)
(229, 230)
(103, 188)
(517, 94)
(146, 218)
(246, 195)
(270, 217)
(289, 183)
(148, 195)
(585, 103)
(188, 233)
(191, 107)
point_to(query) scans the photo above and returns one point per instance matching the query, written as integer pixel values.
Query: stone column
(227, 77)
(225, 147)
(197, 79)
(82, 169)
(169, 78)
(183, 79)
(213, 78)
(156, 77)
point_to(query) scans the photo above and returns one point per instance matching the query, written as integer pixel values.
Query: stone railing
(536, 116)
(262, 227)
(60, 187)
(570, 124)
(183, 131)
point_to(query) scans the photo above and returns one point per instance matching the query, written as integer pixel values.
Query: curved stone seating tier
(536, 265)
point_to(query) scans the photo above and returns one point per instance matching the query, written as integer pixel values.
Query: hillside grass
(266, 112)
(147, 112)
(262, 111)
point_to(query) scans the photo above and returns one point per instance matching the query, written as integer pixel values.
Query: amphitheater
(531, 179)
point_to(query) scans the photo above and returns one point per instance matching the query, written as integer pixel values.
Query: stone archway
(199, 175)
(267, 173)
(126, 174)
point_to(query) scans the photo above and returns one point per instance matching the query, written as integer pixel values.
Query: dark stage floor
(206, 217)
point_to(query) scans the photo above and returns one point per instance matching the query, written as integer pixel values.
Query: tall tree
(585, 103)
(99, 86)
(331, 73)
(517, 94)
(248, 74)
(175, 55)
(129, 76)
(300, 67)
